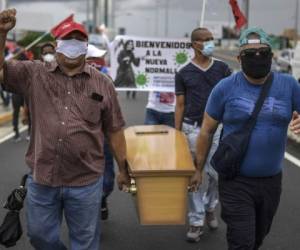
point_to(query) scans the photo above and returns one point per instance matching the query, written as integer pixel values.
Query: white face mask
(48, 57)
(72, 48)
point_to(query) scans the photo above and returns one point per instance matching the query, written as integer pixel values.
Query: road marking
(292, 159)
(11, 135)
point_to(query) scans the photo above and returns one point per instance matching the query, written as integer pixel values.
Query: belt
(262, 177)
(191, 122)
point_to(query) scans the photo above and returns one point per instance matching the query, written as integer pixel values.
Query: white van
(284, 59)
(295, 62)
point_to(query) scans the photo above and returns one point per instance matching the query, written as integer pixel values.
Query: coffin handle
(133, 188)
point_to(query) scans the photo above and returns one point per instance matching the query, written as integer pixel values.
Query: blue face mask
(208, 48)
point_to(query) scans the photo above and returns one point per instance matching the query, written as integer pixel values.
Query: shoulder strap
(259, 103)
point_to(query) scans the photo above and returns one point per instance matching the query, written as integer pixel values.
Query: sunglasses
(252, 52)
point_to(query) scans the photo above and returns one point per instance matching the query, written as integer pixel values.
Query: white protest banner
(147, 64)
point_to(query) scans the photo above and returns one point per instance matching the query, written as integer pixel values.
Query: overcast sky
(147, 17)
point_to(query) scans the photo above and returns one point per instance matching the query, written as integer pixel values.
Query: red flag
(240, 19)
(63, 22)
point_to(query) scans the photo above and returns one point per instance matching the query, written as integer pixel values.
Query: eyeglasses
(252, 52)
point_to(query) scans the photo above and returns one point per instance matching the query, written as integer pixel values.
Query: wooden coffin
(161, 166)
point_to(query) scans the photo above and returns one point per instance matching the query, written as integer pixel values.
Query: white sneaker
(17, 139)
(194, 233)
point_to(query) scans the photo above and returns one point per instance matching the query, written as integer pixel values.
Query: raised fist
(7, 20)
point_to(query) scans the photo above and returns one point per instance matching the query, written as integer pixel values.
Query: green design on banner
(181, 57)
(141, 79)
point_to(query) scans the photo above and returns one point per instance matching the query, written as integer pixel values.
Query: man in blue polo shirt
(193, 84)
(250, 200)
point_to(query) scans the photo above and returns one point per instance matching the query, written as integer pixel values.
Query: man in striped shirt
(72, 107)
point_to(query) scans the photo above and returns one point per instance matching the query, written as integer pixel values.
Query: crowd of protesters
(76, 132)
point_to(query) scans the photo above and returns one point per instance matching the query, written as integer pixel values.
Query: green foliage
(280, 42)
(32, 36)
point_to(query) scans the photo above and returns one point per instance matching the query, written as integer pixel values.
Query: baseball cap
(263, 37)
(46, 44)
(93, 51)
(69, 27)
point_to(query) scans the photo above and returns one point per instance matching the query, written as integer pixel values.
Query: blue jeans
(109, 172)
(80, 206)
(206, 198)
(154, 117)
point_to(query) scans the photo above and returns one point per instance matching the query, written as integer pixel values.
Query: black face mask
(256, 66)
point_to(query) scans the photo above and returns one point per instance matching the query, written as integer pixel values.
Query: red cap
(69, 27)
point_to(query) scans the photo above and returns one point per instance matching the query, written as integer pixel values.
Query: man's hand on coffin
(295, 123)
(195, 181)
(123, 180)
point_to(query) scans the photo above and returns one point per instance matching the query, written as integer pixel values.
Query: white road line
(292, 159)
(11, 135)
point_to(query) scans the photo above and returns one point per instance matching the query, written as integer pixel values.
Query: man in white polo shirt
(160, 109)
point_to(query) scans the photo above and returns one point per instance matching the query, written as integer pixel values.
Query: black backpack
(232, 149)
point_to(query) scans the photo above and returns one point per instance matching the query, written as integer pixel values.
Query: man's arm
(204, 141)
(118, 146)
(7, 22)
(179, 111)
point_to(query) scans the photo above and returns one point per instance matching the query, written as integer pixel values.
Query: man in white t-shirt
(160, 109)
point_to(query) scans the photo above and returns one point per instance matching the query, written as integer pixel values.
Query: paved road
(123, 232)
(230, 56)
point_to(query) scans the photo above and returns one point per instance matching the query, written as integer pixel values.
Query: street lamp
(165, 8)
(247, 10)
(202, 13)
(167, 18)
(3, 4)
(296, 21)
(156, 17)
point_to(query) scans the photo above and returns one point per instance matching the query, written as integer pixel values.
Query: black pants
(248, 207)
(18, 102)
(133, 94)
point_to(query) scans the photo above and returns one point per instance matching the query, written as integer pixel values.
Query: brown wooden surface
(158, 149)
(162, 200)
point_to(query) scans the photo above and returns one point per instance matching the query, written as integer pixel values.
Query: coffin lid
(158, 150)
